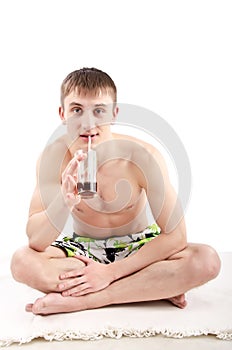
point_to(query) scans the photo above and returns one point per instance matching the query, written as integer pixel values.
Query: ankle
(97, 299)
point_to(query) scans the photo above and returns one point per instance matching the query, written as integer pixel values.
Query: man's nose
(89, 121)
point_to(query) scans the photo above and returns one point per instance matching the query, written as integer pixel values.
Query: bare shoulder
(49, 168)
(148, 148)
(149, 161)
(54, 158)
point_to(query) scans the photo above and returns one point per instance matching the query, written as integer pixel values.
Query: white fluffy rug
(209, 311)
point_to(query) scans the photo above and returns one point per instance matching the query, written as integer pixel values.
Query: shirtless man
(113, 257)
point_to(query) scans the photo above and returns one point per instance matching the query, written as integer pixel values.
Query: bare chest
(117, 188)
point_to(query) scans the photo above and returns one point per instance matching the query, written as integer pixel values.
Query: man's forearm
(160, 248)
(44, 227)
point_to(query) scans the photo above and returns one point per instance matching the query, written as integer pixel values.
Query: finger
(73, 273)
(71, 184)
(72, 181)
(65, 183)
(67, 285)
(84, 259)
(84, 292)
(74, 163)
(82, 280)
(80, 155)
(71, 167)
(67, 169)
(69, 187)
(77, 289)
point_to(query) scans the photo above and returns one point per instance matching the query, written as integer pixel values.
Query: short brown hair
(88, 80)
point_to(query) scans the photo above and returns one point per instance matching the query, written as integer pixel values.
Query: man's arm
(167, 212)
(160, 248)
(50, 206)
(45, 224)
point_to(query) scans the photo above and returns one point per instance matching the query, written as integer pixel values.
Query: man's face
(88, 115)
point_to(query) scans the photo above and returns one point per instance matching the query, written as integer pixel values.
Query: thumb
(83, 258)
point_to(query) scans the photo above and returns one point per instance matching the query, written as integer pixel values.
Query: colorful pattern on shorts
(108, 250)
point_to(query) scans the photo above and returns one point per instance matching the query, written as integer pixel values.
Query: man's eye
(99, 111)
(77, 110)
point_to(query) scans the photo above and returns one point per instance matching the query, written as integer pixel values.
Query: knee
(212, 262)
(27, 267)
(17, 264)
(24, 263)
(206, 263)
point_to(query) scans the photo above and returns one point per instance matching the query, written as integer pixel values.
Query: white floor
(151, 343)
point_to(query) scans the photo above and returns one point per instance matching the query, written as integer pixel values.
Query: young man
(113, 257)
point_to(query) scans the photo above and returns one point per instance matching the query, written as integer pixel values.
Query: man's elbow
(36, 245)
(34, 240)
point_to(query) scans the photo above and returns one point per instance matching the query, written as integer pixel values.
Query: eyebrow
(80, 105)
(101, 105)
(75, 104)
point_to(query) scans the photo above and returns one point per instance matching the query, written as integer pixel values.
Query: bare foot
(54, 303)
(178, 301)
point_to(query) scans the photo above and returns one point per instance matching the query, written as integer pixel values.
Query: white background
(172, 57)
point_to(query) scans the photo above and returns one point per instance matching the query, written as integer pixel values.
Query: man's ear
(115, 114)
(61, 114)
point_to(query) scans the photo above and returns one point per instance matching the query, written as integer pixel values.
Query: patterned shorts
(107, 250)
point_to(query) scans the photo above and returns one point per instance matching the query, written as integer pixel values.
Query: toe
(29, 307)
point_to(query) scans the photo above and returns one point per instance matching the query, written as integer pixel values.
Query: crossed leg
(41, 270)
(168, 279)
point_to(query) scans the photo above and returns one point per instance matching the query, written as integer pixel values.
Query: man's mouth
(86, 136)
